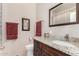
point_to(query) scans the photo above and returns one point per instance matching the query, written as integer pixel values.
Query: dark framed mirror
(25, 24)
(64, 14)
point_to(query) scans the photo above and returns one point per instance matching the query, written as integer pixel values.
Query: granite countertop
(64, 46)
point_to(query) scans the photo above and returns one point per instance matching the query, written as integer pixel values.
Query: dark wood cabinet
(41, 49)
(37, 48)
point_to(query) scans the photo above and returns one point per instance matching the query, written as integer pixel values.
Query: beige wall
(43, 14)
(14, 13)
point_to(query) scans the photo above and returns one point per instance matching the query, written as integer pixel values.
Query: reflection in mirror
(62, 13)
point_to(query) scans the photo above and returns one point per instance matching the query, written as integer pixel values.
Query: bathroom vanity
(51, 47)
(41, 49)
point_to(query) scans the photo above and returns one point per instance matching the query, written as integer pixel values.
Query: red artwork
(38, 28)
(11, 31)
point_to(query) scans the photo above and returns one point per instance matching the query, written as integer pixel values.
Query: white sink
(66, 46)
(62, 43)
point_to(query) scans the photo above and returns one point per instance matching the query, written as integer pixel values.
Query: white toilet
(29, 47)
(29, 50)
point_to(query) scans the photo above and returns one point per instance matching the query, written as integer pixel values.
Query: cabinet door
(37, 49)
(44, 53)
(49, 51)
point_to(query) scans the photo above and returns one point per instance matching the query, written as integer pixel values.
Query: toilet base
(29, 49)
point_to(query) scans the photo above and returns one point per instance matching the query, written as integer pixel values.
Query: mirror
(62, 14)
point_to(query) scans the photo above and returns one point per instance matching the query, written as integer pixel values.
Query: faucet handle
(67, 37)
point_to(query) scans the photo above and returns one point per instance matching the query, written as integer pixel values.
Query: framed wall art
(25, 24)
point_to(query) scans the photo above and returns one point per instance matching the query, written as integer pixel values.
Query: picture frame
(25, 24)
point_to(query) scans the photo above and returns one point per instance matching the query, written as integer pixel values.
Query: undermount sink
(68, 47)
(62, 43)
(65, 45)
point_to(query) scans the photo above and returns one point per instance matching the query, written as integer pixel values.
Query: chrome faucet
(66, 37)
